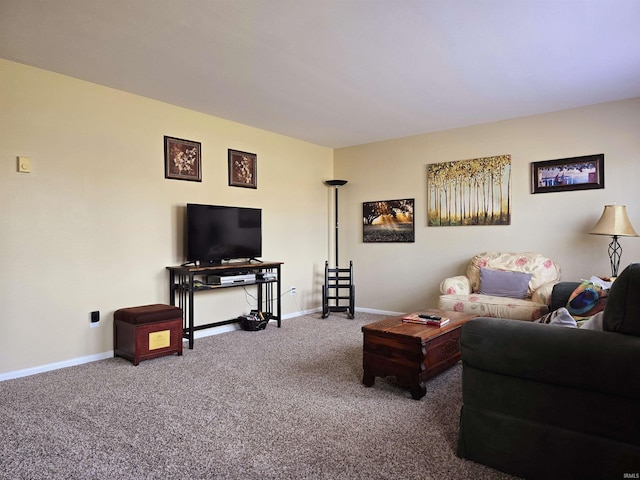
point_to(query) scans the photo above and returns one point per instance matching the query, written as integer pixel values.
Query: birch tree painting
(469, 192)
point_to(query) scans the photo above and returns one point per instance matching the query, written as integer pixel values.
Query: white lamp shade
(614, 221)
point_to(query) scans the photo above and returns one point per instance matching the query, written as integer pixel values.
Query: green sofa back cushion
(622, 312)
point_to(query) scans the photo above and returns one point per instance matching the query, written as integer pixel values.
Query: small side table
(148, 331)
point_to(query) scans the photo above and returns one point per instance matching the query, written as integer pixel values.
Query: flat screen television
(216, 233)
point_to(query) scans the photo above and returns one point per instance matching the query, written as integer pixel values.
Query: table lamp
(615, 223)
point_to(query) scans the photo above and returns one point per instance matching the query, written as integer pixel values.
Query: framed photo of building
(243, 169)
(565, 174)
(182, 159)
(388, 221)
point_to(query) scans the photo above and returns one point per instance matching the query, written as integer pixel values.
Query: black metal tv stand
(184, 282)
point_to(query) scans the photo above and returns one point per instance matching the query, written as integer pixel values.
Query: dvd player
(231, 279)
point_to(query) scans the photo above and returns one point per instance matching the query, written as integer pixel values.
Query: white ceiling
(340, 72)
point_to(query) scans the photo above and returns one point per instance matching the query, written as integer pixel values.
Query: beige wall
(402, 277)
(95, 223)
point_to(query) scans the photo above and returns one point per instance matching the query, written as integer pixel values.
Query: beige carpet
(274, 404)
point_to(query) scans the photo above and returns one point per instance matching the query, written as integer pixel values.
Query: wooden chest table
(148, 331)
(411, 352)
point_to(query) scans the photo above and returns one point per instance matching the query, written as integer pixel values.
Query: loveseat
(548, 402)
(503, 285)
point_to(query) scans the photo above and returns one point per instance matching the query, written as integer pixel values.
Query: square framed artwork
(566, 174)
(388, 221)
(243, 169)
(182, 159)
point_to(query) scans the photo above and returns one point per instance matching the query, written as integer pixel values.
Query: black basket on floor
(253, 323)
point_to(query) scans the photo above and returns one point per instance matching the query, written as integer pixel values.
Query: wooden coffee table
(411, 352)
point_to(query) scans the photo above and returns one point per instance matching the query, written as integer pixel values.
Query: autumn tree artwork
(388, 221)
(469, 192)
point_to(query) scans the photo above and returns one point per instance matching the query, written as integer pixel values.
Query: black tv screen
(216, 233)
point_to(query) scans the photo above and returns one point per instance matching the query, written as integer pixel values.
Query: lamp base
(615, 253)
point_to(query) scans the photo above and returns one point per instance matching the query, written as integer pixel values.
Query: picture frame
(243, 169)
(567, 174)
(469, 192)
(182, 159)
(388, 221)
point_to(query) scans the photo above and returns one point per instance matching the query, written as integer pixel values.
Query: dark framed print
(388, 221)
(182, 160)
(243, 169)
(575, 173)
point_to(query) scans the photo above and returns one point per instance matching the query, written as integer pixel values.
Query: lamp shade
(335, 183)
(614, 221)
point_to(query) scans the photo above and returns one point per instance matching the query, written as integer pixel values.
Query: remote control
(429, 317)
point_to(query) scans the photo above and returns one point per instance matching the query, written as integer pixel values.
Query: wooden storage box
(148, 331)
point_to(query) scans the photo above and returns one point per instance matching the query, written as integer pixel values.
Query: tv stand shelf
(213, 286)
(183, 283)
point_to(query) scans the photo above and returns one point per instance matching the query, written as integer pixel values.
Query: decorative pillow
(587, 300)
(501, 283)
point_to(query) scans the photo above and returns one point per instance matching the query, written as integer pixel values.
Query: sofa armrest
(544, 293)
(582, 359)
(561, 293)
(459, 285)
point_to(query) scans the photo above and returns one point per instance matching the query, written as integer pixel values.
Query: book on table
(426, 319)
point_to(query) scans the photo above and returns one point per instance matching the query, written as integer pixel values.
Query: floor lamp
(615, 223)
(336, 184)
(337, 279)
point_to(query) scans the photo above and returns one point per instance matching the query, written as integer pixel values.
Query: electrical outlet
(94, 319)
(292, 290)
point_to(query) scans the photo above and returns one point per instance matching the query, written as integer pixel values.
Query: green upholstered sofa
(547, 402)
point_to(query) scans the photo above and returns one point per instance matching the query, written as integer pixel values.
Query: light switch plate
(24, 164)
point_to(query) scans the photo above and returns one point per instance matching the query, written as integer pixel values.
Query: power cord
(295, 298)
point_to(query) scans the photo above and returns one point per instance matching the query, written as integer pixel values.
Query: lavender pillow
(502, 283)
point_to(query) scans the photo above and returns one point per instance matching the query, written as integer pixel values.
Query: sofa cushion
(490, 306)
(622, 312)
(501, 283)
(153, 313)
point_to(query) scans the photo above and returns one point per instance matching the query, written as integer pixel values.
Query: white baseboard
(55, 366)
(199, 334)
(235, 326)
(300, 313)
(380, 312)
